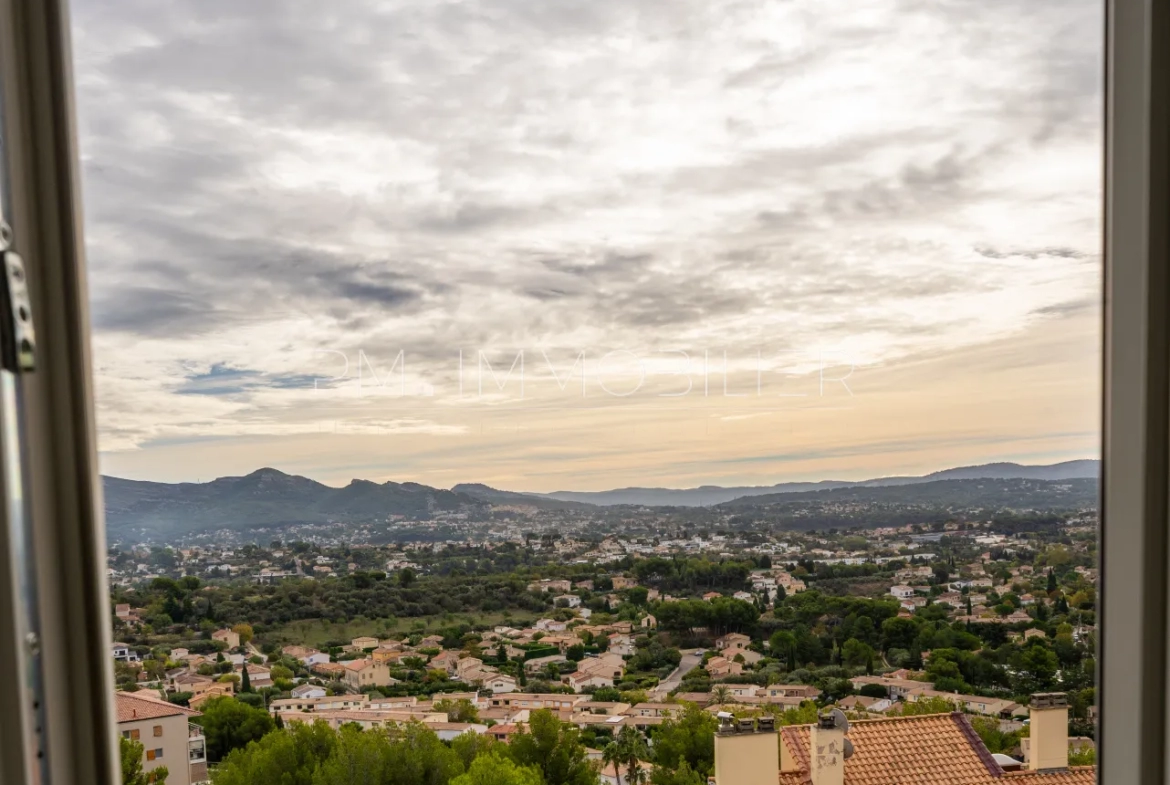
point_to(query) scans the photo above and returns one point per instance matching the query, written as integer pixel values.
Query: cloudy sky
(712, 242)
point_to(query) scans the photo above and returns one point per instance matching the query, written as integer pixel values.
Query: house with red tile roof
(167, 736)
(921, 750)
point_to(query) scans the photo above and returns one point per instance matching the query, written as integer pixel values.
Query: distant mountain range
(268, 497)
(708, 495)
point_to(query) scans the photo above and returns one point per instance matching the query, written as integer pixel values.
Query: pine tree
(1051, 581)
(245, 681)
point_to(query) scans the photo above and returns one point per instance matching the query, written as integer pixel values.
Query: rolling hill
(263, 498)
(708, 495)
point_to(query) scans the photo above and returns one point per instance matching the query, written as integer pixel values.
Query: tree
(288, 757)
(627, 749)
(993, 738)
(687, 739)
(898, 633)
(575, 653)
(461, 710)
(721, 694)
(471, 745)
(132, 774)
(245, 680)
(245, 632)
(555, 749)
(683, 775)
(1051, 581)
(406, 577)
(1037, 667)
(496, 769)
(607, 695)
(783, 644)
(855, 653)
(229, 724)
(923, 706)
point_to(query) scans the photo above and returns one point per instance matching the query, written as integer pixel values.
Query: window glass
(628, 350)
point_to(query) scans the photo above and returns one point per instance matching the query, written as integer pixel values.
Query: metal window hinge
(18, 339)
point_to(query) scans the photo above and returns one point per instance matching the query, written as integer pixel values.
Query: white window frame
(1132, 645)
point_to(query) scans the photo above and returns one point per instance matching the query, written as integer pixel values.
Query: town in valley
(660, 644)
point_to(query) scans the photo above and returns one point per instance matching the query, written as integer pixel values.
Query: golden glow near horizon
(592, 245)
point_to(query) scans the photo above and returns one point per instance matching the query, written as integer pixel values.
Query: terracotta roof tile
(132, 708)
(935, 749)
(1079, 775)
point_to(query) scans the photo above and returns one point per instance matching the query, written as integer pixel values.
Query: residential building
(654, 710)
(366, 673)
(365, 642)
(123, 653)
(902, 591)
(166, 734)
(732, 642)
(719, 667)
(581, 680)
(934, 748)
(897, 688)
(536, 700)
(499, 683)
(308, 657)
(313, 704)
(308, 691)
(231, 638)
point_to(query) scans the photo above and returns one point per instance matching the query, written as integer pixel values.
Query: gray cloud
(276, 174)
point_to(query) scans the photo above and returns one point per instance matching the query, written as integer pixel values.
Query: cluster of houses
(376, 658)
(186, 677)
(967, 597)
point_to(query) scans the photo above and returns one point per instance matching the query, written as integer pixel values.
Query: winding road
(688, 663)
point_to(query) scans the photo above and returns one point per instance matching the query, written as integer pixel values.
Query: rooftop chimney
(745, 752)
(828, 752)
(1048, 731)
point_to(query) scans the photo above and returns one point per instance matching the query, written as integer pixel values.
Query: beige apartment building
(167, 736)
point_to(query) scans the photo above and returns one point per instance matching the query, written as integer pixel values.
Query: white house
(570, 600)
(500, 682)
(308, 691)
(902, 592)
(123, 653)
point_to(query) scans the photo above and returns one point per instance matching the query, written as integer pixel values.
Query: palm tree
(627, 749)
(721, 694)
(611, 756)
